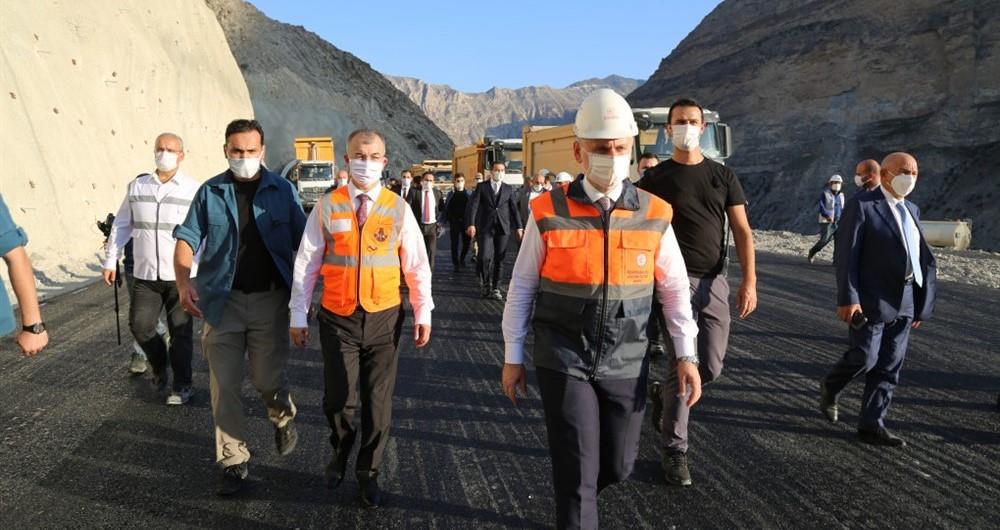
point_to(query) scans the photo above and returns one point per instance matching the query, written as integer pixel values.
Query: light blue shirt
(11, 237)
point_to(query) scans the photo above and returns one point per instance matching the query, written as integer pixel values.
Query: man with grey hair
(154, 203)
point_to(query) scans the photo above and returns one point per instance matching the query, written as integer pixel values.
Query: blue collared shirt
(212, 226)
(11, 237)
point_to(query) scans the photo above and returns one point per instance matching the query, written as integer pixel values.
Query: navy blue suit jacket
(486, 209)
(870, 258)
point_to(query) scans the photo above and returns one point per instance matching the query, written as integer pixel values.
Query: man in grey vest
(154, 203)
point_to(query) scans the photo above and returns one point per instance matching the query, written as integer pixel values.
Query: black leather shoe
(233, 480)
(827, 403)
(369, 492)
(881, 436)
(485, 291)
(336, 469)
(656, 417)
(675, 468)
(286, 437)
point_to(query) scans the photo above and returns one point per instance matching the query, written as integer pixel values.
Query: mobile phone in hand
(858, 320)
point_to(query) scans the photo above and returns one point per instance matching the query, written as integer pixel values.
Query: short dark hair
(241, 125)
(425, 173)
(501, 162)
(459, 176)
(403, 172)
(685, 102)
(648, 156)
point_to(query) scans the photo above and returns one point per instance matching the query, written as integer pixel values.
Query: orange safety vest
(361, 266)
(596, 281)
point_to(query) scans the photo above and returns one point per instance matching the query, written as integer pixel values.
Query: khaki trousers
(254, 325)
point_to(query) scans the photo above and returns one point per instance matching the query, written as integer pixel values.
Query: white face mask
(686, 137)
(607, 171)
(407, 181)
(835, 186)
(497, 176)
(537, 188)
(244, 168)
(341, 182)
(858, 181)
(366, 172)
(166, 161)
(903, 184)
(427, 185)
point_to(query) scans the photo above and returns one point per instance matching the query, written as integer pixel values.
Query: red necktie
(363, 209)
(428, 216)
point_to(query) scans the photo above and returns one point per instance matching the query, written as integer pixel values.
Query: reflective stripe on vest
(361, 266)
(573, 234)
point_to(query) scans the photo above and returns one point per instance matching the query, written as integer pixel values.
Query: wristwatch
(692, 359)
(37, 329)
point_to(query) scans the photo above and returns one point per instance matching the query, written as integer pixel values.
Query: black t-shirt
(699, 195)
(255, 269)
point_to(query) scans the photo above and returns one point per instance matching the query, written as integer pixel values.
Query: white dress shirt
(148, 214)
(412, 259)
(899, 222)
(671, 285)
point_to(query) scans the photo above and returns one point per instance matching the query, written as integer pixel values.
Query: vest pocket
(638, 257)
(567, 253)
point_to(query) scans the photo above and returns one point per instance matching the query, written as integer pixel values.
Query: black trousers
(149, 297)
(826, 233)
(492, 251)
(457, 237)
(593, 433)
(360, 355)
(430, 241)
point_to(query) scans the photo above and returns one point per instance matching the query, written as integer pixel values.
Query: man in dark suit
(885, 286)
(492, 216)
(454, 211)
(428, 205)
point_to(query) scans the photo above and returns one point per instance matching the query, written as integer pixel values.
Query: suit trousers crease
(492, 252)
(710, 308)
(149, 297)
(593, 432)
(458, 238)
(429, 232)
(360, 360)
(876, 351)
(254, 326)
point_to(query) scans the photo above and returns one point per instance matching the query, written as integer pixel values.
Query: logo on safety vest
(640, 260)
(380, 236)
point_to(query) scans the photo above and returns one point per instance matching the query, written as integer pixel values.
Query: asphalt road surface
(85, 445)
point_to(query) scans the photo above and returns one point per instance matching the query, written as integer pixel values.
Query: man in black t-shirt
(703, 194)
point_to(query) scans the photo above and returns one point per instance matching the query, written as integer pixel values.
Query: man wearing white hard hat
(563, 178)
(831, 203)
(594, 254)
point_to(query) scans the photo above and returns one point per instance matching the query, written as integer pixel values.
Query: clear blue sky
(474, 45)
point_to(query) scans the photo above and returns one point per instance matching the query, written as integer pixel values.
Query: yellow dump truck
(442, 170)
(313, 170)
(480, 156)
(551, 147)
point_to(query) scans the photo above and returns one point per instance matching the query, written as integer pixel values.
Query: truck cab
(716, 141)
(313, 170)
(510, 152)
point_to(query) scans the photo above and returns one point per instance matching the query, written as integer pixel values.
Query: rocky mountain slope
(301, 85)
(87, 86)
(501, 112)
(811, 87)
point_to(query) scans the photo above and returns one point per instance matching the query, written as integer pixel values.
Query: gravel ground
(83, 445)
(971, 267)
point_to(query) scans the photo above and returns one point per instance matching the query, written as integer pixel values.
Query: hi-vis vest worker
(372, 282)
(596, 283)
(595, 251)
(359, 237)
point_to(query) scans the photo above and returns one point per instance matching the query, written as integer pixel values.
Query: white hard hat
(605, 115)
(836, 178)
(563, 176)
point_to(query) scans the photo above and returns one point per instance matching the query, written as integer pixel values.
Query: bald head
(896, 164)
(868, 170)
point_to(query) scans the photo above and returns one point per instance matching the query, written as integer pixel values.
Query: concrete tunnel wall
(85, 87)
